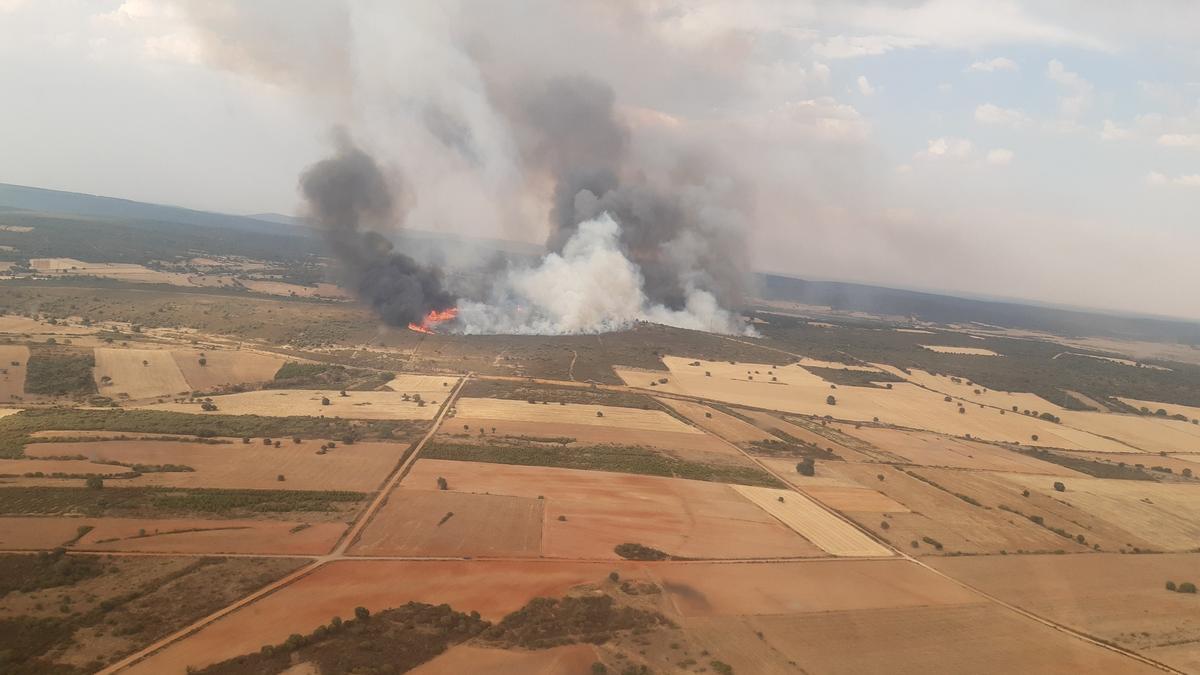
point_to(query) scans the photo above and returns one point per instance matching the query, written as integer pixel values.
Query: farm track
(339, 552)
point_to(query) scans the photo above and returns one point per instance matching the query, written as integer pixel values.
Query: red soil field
(492, 588)
(444, 523)
(1120, 598)
(695, 519)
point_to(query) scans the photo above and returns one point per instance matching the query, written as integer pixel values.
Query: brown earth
(493, 588)
(572, 413)
(366, 405)
(688, 518)
(853, 499)
(565, 660)
(445, 523)
(225, 368)
(1120, 598)
(726, 426)
(139, 373)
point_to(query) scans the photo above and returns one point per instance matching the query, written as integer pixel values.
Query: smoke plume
(347, 192)
(639, 222)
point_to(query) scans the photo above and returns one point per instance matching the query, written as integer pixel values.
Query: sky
(1039, 150)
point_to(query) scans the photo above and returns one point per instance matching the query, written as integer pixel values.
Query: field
(968, 351)
(822, 528)
(222, 368)
(13, 363)
(363, 405)
(929, 449)
(555, 661)
(798, 391)
(718, 423)
(600, 510)
(571, 413)
(444, 523)
(357, 467)
(138, 373)
(1117, 598)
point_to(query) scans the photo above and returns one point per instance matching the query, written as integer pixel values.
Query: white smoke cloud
(590, 287)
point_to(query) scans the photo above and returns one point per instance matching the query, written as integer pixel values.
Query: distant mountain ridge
(80, 204)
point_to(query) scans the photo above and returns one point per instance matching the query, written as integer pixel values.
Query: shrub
(362, 613)
(885, 525)
(1034, 437)
(806, 467)
(831, 400)
(599, 668)
(95, 482)
(1059, 486)
(280, 478)
(1170, 585)
(442, 483)
(614, 577)
(324, 400)
(1187, 587)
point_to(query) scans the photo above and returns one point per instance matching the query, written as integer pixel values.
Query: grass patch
(630, 551)
(524, 391)
(776, 448)
(293, 375)
(60, 372)
(15, 429)
(142, 502)
(550, 622)
(617, 458)
(854, 378)
(1097, 469)
(28, 573)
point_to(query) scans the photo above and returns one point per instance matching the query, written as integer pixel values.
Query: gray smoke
(681, 230)
(347, 192)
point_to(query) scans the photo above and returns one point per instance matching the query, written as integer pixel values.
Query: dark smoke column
(346, 192)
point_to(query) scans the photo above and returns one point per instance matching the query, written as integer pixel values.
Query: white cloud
(1112, 132)
(864, 86)
(1185, 180)
(1076, 91)
(849, 47)
(822, 119)
(992, 65)
(992, 114)
(1179, 140)
(1000, 156)
(946, 147)
(945, 87)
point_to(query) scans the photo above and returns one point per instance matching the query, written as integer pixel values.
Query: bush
(614, 577)
(324, 400)
(362, 613)
(1170, 585)
(1059, 486)
(806, 467)
(94, 482)
(442, 483)
(831, 400)
(1187, 587)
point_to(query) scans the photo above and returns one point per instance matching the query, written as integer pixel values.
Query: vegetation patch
(134, 502)
(550, 622)
(618, 458)
(639, 552)
(60, 372)
(28, 573)
(1095, 468)
(528, 391)
(15, 429)
(294, 375)
(392, 641)
(777, 448)
(855, 378)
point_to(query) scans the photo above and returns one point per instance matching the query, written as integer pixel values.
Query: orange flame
(433, 318)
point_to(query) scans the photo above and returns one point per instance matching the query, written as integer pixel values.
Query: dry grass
(366, 405)
(223, 368)
(813, 523)
(140, 373)
(12, 377)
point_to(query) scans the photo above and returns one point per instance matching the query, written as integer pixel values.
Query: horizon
(1014, 150)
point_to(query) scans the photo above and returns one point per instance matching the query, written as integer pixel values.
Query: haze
(1048, 151)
